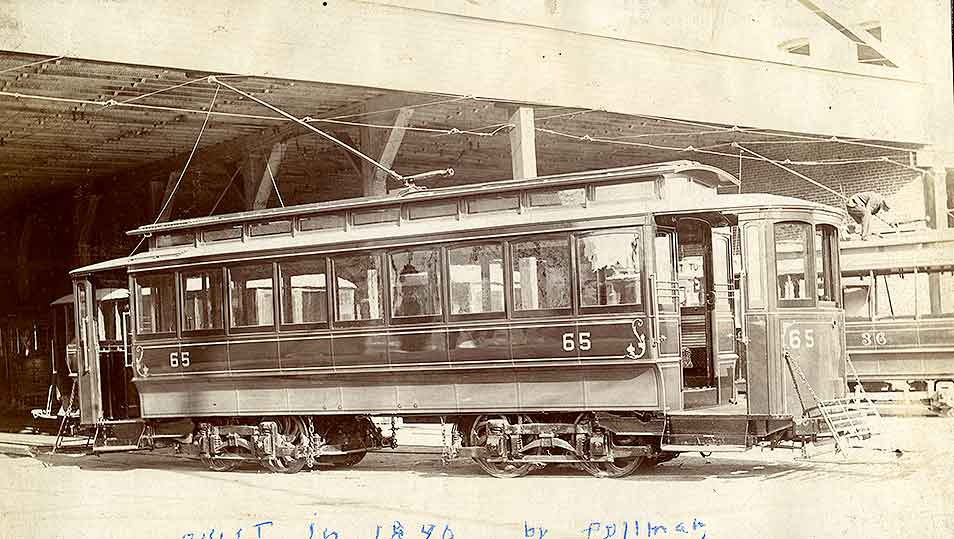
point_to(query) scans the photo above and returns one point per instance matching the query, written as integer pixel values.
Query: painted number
(569, 344)
(797, 338)
(869, 339)
(176, 359)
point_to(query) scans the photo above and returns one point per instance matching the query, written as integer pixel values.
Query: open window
(415, 285)
(610, 271)
(304, 292)
(251, 296)
(541, 274)
(155, 304)
(476, 274)
(357, 289)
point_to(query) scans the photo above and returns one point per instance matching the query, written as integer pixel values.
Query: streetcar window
(942, 293)
(431, 211)
(567, 198)
(792, 246)
(857, 290)
(321, 222)
(174, 239)
(541, 274)
(667, 285)
(357, 287)
(202, 299)
(636, 190)
(415, 283)
(896, 295)
(156, 303)
(476, 279)
(610, 269)
(824, 260)
(754, 267)
(233, 232)
(270, 228)
(376, 217)
(493, 204)
(304, 291)
(251, 295)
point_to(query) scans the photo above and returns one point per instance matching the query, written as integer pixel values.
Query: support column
(167, 194)
(935, 197)
(523, 151)
(266, 169)
(383, 146)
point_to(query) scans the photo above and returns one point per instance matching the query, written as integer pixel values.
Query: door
(722, 303)
(87, 350)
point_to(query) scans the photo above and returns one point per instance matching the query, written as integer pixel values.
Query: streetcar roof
(900, 251)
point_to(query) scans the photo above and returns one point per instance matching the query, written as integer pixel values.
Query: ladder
(847, 418)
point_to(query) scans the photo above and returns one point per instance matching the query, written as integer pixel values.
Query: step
(115, 448)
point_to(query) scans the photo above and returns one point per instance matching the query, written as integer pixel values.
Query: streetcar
(899, 305)
(585, 318)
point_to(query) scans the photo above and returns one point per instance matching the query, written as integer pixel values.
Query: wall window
(754, 267)
(476, 279)
(202, 299)
(415, 283)
(857, 290)
(610, 269)
(269, 228)
(792, 244)
(304, 291)
(942, 301)
(567, 198)
(825, 243)
(358, 287)
(541, 274)
(897, 295)
(156, 303)
(634, 190)
(251, 295)
(490, 204)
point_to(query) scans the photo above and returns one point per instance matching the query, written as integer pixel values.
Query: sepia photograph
(476, 269)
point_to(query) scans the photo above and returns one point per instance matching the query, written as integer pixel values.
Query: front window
(476, 279)
(202, 300)
(304, 291)
(792, 251)
(610, 269)
(156, 303)
(415, 283)
(541, 274)
(825, 243)
(251, 296)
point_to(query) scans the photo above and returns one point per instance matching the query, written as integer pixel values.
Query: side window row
(608, 265)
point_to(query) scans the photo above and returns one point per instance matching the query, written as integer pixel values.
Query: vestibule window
(358, 287)
(415, 283)
(476, 279)
(202, 299)
(541, 274)
(251, 295)
(156, 303)
(610, 269)
(304, 291)
(792, 251)
(825, 243)
(754, 267)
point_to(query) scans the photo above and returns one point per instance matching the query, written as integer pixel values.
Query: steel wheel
(344, 461)
(615, 469)
(225, 465)
(478, 436)
(295, 432)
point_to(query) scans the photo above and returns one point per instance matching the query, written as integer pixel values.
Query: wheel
(344, 461)
(615, 469)
(225, 465)
(295, 432)
(478, 436)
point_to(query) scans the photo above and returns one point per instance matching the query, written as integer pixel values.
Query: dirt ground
(755, 494)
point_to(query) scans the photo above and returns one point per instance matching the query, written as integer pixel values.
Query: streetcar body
(547, 309)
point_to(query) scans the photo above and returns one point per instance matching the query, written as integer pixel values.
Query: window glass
(896, 295)
(251, 295)
(667, 287)
(610, 269)
(568, 198)
(202, 300)
(415, 283)
(174, 239)
(493, 204)
(943, 301)
(321, 222)
(156, 303)
(791, 260)
(640, 190)
(220, 234)
(304, 291)
(357, 287)
(376, 217)
(541, 274)
(823, 263)
(857, 290)
(476, 279)
(430, 211)
(754, 274)
(269, 228)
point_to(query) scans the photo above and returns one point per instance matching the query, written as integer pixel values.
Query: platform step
(115, 448)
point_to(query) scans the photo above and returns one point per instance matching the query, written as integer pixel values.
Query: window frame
(135, 306)
(531, 313)
(831, 277)
(578, 277)
(809, 258)
(869, 285)
(507, 278)
(383, 287)
(233, 329)
(223, 290)
(329, 302)
(441, 267)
